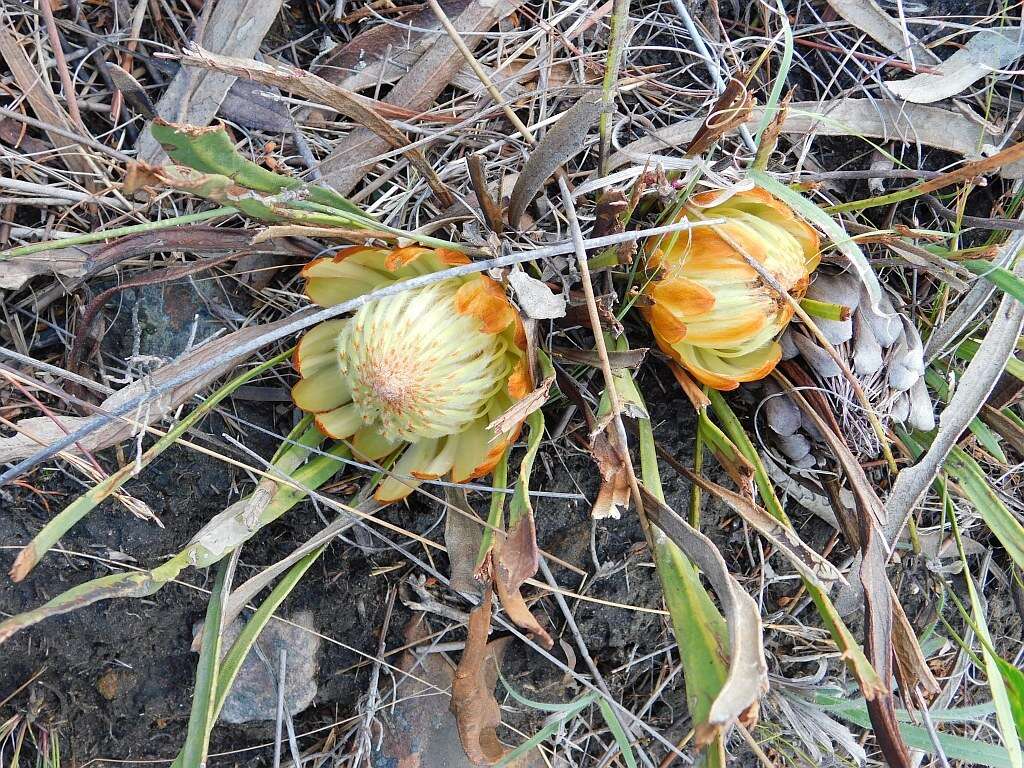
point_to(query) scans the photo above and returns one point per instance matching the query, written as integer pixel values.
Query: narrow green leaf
(844, 639)
(617, 732)
(201, 719)
(1000, 277)
(971, 751)
(239, 650)
(996, 683)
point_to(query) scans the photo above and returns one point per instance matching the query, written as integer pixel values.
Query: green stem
(106, 234)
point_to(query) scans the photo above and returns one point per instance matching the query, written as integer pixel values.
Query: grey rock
(253, 697)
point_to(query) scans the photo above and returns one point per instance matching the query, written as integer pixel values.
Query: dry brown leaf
(747, 679)
(868, 17)
(730, 111)
(614, 492)
(359, 108)
(473, 703)
(32, 433)
(354, 155)
(562, 141)
(463, 533)
(519, 410)
(516, 559)
(808, 562)
(878, 596)
(420, 731)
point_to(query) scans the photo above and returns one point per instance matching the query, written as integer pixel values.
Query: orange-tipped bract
(709, 308)
(424, 371)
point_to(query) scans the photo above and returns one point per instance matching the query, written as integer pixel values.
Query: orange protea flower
(710, 310)
(426, 369)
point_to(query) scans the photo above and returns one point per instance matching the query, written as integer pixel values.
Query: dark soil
(117, 676)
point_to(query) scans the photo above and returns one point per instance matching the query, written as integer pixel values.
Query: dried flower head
(710, 310)
(429, 368)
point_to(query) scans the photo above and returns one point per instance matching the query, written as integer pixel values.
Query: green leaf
(700, 630)
(239, 650)
(618, 732)
(1014, 680)
(1005, 718)
(969, 348)
(201, 719)
(1000, 277)
(851, 651)
(210, 150)
(971, 751)
(999, 519)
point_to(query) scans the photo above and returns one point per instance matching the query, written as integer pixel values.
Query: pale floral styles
(422, 372)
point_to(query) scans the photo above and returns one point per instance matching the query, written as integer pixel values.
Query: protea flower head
(428, 369)
(710, 310)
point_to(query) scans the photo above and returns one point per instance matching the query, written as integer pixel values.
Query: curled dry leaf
(808, 562)
(747, 678)
(730, 111)
(516, 559)
(519, 410)
(35, 432)
(614, 492)
(985, 52)
(562, 141)
(473, 703)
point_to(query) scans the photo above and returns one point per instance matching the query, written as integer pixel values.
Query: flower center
(416, 367)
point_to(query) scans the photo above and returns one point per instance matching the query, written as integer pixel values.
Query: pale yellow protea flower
(428, 369)
(710, 310)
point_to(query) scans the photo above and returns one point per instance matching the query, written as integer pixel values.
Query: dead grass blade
(353, 156)
(43, 101)
(364, 111)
